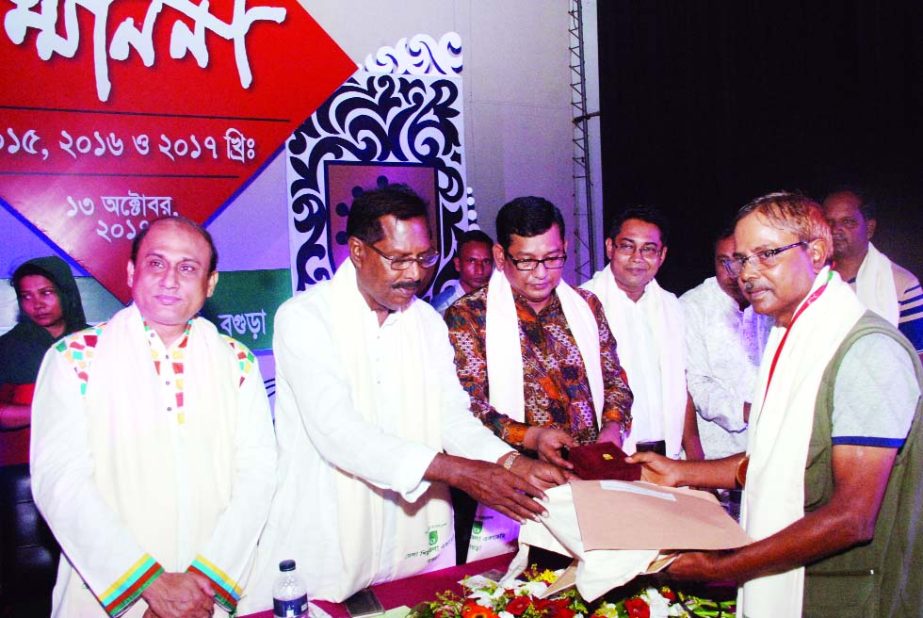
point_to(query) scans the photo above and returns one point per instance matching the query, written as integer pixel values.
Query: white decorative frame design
(403, 108)
(420, 55)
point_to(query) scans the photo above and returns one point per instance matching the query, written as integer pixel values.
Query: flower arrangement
(485, 598)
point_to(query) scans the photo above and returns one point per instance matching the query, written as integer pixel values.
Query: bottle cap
(287, 565)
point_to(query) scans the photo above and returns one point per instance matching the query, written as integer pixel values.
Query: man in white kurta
(152, 448)
(725, 338)
(367, 400)
(647, 322)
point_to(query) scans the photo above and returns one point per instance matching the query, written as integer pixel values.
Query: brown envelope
(639, 515)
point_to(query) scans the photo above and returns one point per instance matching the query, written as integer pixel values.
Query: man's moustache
(409, 285)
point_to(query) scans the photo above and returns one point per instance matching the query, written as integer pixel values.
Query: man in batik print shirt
(554, 378)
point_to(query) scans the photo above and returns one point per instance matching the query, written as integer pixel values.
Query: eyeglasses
(648, 252)
(427, 260)
(551, 263)
(764, 259)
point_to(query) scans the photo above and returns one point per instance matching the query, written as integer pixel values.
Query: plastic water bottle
(289, 594)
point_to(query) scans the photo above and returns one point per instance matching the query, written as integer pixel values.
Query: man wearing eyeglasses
(647, 323)
(887, 289)
(474, 263)
(535, 355)
(372, 423)
(833, 473)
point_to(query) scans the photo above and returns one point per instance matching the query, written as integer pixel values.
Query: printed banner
(245, 302)
(116, 112)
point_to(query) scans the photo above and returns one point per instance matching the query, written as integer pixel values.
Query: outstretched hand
(489, 484)
(657, 469)
(541, 474)
(547, 442)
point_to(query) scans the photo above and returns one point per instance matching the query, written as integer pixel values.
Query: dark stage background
(707, 104)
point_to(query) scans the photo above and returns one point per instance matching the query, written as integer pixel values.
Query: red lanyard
(775, 358)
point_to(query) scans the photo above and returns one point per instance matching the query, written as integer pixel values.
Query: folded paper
(616, 530)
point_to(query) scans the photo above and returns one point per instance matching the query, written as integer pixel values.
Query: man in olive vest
(832, 474)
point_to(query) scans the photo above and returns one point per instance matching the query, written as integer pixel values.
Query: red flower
(556, 608)
(550, 606)
(637, 608)
(473, 610)
(668, 594)
(518, 605)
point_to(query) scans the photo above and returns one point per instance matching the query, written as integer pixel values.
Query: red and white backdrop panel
(117, 112)
(398, 120)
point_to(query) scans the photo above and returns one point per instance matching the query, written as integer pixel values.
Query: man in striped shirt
(886, 288)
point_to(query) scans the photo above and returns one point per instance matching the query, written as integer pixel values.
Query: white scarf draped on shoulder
(665, 319)
(875, 285)
(504, 350)
(358, 502)
(780, 431)
(124, 378)
(167, 481)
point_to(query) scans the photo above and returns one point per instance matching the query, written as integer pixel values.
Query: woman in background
(49, 308)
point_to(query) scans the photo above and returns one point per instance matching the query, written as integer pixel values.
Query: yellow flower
(546, 576)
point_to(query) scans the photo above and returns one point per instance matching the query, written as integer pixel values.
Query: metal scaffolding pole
(585, 229)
